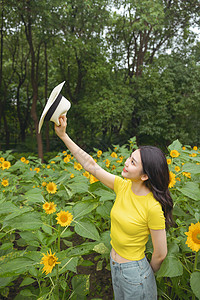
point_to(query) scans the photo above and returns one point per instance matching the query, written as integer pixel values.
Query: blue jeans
(133, 280)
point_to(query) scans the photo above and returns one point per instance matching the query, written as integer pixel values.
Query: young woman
(143, 206)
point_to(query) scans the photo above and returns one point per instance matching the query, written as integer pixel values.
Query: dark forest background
(132, 68)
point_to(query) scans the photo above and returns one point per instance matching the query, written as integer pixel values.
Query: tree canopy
(131, 69)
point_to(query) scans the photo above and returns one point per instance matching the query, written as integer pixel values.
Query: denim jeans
(133, 280)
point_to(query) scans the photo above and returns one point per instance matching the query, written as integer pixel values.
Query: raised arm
(82, 157)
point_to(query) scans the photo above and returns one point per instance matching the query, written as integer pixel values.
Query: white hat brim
(62, 108)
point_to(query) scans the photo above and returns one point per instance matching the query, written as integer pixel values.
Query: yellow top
(131, 218)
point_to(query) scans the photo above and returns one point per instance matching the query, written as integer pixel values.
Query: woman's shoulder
(120, 183)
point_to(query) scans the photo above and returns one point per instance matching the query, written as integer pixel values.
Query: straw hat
(56, 106)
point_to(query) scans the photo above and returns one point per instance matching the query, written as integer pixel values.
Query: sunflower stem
(59, 238)
(194, 269)
(57, 281)
(195, 262)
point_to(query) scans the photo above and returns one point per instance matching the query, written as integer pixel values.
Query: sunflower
(77, 166)
(172, 179)
(177, 168)
(72, 176)
(5, 182)
(23, 159)
(64, 218)
(169, 161)
(86, 174)
(37, 170)
(46, 205)
(51, 188)
(44, 183)
(99, 153)
(193, 237)
(2, 159)
(27, 161)
(93, 179)
(49, 207)
(6, 165)
(66, 159)
(174, 153)
(49, 261)
(187, 174)
(120, 159)
(195, 148)
(113, 154)
(107, 163)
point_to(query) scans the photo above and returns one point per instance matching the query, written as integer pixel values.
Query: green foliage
(28, 232)
(118, 80)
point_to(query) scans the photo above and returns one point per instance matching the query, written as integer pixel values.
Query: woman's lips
(124, 170)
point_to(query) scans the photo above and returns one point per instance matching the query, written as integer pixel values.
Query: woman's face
(133, 169)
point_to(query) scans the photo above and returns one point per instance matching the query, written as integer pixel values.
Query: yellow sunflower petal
(64, 218)
(193, 237)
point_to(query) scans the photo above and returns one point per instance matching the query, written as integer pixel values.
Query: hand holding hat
(61, 129)
(56, 106)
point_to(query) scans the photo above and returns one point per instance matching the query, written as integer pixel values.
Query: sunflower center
(196, 236)
(63, 218)
(51, 261)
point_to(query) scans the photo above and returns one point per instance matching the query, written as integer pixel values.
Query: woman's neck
(140, 189)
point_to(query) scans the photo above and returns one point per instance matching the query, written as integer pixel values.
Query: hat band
(53, 108)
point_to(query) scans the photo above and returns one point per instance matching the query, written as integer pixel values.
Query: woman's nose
(127, 161)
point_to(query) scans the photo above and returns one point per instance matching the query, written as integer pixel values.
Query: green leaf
(83, 208)
(5, 281)
(191, 190)
(6, 246)
(99, 265)
(79, 185)
(26, 293)
(34, 196)
(81, 284)
(104, 209)
(27, 281)
(7, 208)
(176, 145)
(68, 264)
(105, 195)
(14, 267)
(87, 229)
(27, 221)
(194, 282)
(191, 168)
(101, 248)
(82, 249)
(171, 266)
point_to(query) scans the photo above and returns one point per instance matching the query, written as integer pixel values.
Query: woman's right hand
(61, 130)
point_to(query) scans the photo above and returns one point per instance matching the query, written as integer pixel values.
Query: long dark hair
(155, 166)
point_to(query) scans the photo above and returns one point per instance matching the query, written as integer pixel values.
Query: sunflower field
(44, 208)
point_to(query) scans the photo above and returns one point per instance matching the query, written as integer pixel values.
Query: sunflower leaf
(194, 282)
(87, 230)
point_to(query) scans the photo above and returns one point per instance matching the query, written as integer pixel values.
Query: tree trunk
(1, 65)
(34, 82)
(45, 93)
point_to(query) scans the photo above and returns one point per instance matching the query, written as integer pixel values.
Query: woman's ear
(144, 177)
